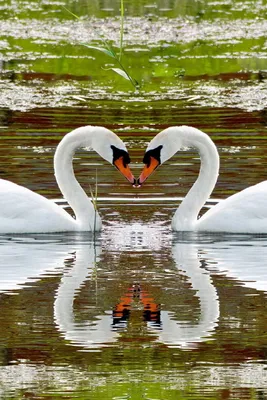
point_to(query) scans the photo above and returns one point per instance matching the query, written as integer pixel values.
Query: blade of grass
(108, 52)
(121, 73)
(100, 37)
(93, 198)
(76, 16)
(132, 80)
(96, 187)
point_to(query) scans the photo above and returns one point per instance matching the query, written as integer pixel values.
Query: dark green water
(138, 312)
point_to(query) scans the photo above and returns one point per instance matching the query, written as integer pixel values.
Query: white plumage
(23, 211)
(244, 212)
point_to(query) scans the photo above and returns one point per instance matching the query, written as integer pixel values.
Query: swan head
(110, 147)
(121, 159)
(162, 147)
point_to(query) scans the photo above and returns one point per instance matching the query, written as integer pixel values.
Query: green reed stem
(108, 50)
(94, 200)
(122, 29)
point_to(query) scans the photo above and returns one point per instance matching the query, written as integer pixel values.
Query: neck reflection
(147, 298)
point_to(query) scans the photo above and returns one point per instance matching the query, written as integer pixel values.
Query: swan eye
(155, 153)
(119, 153)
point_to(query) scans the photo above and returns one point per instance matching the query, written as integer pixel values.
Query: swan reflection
(242, 259)
(89, 333)
(108, 294)
(25, 259)
(139, 301)
(186, 259)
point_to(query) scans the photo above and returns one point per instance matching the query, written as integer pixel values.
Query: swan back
(24, 211)
(243, 212)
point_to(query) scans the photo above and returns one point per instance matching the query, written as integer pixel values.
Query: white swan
(244, 212)
(23, 211)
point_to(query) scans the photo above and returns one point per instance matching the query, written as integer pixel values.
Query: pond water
(136, 311)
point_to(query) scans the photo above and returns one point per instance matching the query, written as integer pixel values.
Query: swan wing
(23, 211)
(244, 212)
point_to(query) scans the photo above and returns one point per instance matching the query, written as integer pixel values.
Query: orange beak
(148, 170)
(124, 169)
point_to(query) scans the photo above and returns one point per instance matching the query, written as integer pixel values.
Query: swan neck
(186, 215)
(69, 186)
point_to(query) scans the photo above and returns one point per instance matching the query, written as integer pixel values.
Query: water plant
(109, 50)
(94, 201)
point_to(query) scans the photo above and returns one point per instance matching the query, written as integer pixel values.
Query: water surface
(137, 311)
